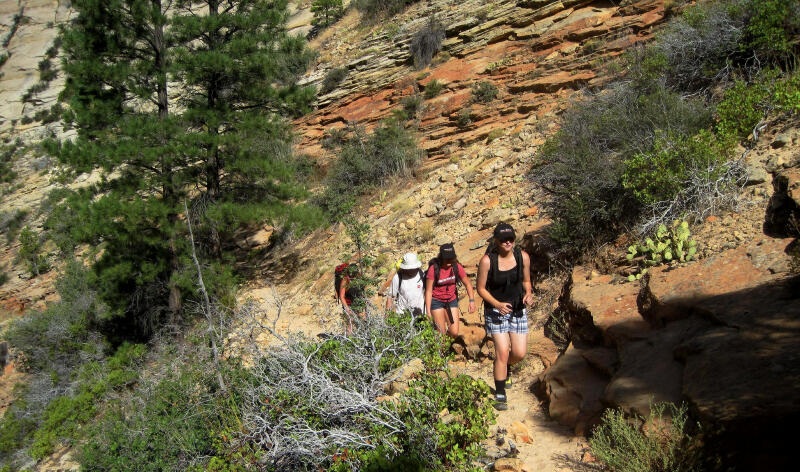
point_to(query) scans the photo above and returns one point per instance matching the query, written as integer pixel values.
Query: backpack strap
(493, 256)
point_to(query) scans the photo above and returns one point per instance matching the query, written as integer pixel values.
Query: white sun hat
(410, 261)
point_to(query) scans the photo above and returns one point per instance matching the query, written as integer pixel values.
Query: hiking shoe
(500, 403)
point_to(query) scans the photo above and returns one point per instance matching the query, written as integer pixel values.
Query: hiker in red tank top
(441, 297)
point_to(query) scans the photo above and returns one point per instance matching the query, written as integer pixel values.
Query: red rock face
(536, 54)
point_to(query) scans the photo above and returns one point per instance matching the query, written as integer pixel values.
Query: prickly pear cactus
(673, 243)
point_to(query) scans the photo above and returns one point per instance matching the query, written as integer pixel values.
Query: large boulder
(648, 369)
(572, 389)
(602, 308)
(705, 288)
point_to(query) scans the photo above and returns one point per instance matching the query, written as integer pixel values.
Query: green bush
(65, 415)
(333, 78)
(773, 29)
(663, 442)
(3, 278)
(168, 422)
(50, 115)
(427, 42)
(367, 160)
(3, 58)
(433, 89)
(583, 164)
(745, 105)
(661, 173)
(484, 92)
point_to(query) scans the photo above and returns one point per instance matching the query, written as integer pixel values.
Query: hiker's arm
(526, 279)
(470, 291)
(342, 290)
(390, 293)
(428, 295)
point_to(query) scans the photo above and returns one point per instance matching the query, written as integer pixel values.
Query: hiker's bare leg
(519, 346)
(501, 347)
(454, 319)
(440, 319)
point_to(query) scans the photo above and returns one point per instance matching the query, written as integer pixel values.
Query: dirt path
(542, 444)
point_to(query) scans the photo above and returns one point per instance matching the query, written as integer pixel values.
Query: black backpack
(435, 263)
(340, 272)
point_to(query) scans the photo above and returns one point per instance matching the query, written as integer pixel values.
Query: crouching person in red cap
(504, 283)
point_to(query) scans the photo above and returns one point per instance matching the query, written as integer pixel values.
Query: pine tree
(242, 67)
(326, 11)
(173, 101)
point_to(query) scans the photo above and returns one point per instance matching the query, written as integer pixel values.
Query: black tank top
(506, 287)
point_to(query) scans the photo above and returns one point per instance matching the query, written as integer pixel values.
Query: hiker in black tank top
(504, 283)
(506, 287)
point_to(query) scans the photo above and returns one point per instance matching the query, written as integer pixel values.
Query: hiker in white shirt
(407, 291)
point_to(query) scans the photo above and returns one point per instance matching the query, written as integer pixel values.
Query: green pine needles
(171, 107)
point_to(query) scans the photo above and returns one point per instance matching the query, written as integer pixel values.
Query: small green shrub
(364, 161)
(663, 442)
(3, 278)
(411, 104)
(333, 78)
(494, 134)
(10, 223)
(4, 57)
(52, 51)
(433, 89)
(48, 116)
(7, 153)
(26, 120)
(30, 252)
(484, 92)
(464, 117)
(16, 21)
(427, 42)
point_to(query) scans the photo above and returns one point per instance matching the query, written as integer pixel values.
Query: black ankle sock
(500, 387)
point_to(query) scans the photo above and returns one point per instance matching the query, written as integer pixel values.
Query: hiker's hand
(528, 300)
(472, 307)
(504, 308)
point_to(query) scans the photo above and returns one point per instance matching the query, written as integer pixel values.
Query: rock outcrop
(721, 334)
(535, 52)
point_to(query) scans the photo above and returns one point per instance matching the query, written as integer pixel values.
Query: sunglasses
(507, 240)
